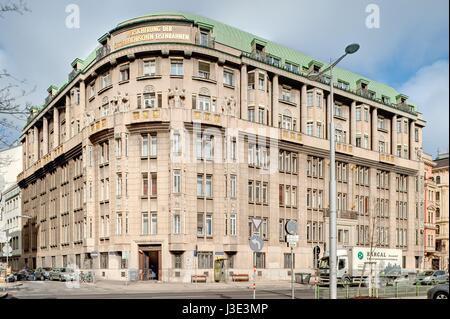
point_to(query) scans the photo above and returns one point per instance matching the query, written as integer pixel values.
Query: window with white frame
(176, 181)
(149, 67)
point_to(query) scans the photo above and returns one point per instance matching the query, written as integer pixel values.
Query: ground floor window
(230, 258)
(178, 260)
(78, 260)
(205, 260)
(259, 260)
(64, 261)
(288, 259)
(123, 260)
(104, 261)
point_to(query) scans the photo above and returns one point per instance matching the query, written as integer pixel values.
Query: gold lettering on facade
(151, 33)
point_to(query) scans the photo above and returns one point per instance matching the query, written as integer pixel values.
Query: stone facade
(162, 149)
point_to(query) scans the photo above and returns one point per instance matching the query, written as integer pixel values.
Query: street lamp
(350, 49)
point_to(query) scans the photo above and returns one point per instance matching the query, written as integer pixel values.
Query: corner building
(177, 131)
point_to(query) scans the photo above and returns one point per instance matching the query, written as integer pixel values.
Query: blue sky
(408, 51)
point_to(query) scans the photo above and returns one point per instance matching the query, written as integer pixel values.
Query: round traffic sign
(291, 227)
(256, 243)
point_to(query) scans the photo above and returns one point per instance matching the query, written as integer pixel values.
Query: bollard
(396, 290)
(346, 291)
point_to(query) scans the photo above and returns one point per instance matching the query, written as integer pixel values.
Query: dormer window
(385, 99)
(316, 68)
(204, 38)
(363, 86)
(273, 60)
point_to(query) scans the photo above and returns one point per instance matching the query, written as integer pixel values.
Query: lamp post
(350, 49)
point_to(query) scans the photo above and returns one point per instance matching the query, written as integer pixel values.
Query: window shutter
(194, 102)
(159, 99)
(139, 101)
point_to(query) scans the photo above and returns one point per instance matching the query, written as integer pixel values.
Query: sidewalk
(164, 286)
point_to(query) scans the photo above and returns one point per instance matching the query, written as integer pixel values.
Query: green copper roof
(242, 41)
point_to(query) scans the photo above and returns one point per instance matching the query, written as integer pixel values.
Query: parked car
(42, 273)
(438, 292)
(24, 274)
(404, 280)
(62, 274)
(431, 277)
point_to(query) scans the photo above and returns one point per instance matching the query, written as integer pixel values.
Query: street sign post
(292, 239)
(256, 244)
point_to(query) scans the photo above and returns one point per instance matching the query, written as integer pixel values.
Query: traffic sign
(292, 238)
(7, 250)
(291, 227)
(256, 243)
(256, 222)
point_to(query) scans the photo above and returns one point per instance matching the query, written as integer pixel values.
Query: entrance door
(435, 264)
(150, 262)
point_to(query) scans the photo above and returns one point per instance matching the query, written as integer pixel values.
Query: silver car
(432, 277)
(62, 274)
(438, 292)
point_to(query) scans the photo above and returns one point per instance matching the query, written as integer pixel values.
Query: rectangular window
(289, 262)
(154, 223)
(177, 181)
(205, 260)
(233, 186)
(358, 114)
(145, 224)
(176, 67)
(228, 77)
(261, 82)
(209, 186)
(204, 69)
(118, 144)
(200, 185)
(309, 99)
(259, 260)
(149, 68)
(124, 73)
(144, 146)
(106, 80)
(153, 146)
(176, 223)
(233, 225)
(309, 128)
(200, 225)
(209, 225)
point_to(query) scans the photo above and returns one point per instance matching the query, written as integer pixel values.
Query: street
(60, 290)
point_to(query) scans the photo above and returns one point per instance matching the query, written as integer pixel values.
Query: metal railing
(325, 80)
(396, 291)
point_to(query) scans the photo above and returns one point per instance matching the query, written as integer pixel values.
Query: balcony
(290, 136)
(149, 115)
(102, 52)
(205, 42)
(342, 214)
(98, 125)
(430, 249)
(344, 148)
(205, 117)
(387, 158)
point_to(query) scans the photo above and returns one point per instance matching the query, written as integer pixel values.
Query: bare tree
(13, 112)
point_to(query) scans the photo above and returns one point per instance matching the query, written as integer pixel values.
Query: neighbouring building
(10, 202)
(178, 131)
(431, 260)
(440, 174)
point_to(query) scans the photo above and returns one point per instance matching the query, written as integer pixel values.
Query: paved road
(58, 290)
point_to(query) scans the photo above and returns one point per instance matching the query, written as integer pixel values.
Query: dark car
(438, 292)
(24, 274)
(42, 273)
